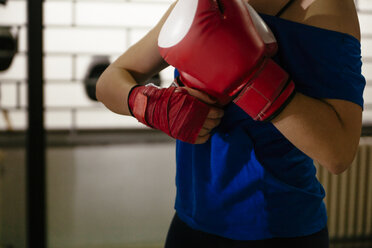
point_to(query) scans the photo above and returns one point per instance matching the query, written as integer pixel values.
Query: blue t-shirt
(248, 182)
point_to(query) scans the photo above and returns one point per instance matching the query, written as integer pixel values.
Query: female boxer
(244, 181)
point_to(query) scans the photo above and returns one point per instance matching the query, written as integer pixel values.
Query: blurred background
(109, 180)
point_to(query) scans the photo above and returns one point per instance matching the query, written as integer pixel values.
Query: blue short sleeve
(322, 63)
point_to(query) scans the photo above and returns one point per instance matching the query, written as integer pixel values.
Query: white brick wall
(364, 4)
(77, 30)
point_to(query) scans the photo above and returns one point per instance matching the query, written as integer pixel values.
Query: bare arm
(137, 64)
(326, 130)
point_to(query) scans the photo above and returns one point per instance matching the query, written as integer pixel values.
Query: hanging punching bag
(8, 47)
(95, 69)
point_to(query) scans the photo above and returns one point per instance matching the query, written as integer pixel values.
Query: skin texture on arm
(138, 63)
(327, 130)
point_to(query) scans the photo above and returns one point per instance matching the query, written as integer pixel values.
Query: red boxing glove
(223, 48)
(172, 110)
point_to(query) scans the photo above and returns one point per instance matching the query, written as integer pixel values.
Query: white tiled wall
(77, 30)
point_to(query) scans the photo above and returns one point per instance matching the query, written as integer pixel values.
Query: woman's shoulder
(335, 15)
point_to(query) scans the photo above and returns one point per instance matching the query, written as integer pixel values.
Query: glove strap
(282, 101)
(266, 94)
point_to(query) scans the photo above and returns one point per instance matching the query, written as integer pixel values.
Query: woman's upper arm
(334, 15)
(350, 116)
(349, 113)
(142, 60)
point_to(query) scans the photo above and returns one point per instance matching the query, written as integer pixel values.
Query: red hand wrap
(172, 110)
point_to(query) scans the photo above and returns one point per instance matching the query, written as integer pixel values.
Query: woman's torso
(248, 181)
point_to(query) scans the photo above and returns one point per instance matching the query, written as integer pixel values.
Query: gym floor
(353, 244)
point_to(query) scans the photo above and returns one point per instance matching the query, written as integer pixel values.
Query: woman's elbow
(338, 167)
(100, 89)
(340, 160)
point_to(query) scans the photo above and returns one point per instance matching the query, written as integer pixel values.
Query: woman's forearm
(113, 87)
(320, 131)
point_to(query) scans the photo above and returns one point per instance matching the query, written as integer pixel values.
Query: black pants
(182, 236)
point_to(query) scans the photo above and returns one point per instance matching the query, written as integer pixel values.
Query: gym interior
(75, 175)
